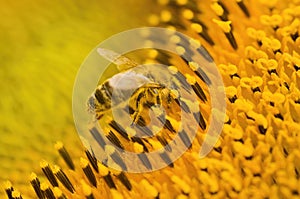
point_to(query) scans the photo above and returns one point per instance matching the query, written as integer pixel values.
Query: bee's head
(91, 105)
(98, 103)
(94, 108)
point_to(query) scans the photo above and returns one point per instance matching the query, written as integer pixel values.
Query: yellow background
(42, 44)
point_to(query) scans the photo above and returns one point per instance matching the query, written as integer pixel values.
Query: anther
(65, 155)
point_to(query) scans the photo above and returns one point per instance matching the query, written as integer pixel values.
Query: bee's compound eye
(91, 104)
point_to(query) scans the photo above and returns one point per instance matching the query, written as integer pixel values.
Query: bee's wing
(123, 63)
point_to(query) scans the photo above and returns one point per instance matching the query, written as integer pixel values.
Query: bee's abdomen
(99, 96)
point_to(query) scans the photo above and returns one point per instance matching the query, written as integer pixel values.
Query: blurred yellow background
(42, 46)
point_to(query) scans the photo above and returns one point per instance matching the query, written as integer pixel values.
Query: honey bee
(138, 85)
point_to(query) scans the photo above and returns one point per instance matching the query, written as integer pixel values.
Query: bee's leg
(135, 118)
(158, 99)
(149, 97)
(139, 108)
(170, 95)
(138, 99)
(157, 95)
(150, 93)
(98, 116)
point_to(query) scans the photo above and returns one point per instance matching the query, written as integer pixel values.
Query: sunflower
(255, 45)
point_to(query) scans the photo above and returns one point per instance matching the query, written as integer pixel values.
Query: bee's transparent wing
(123, 63)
